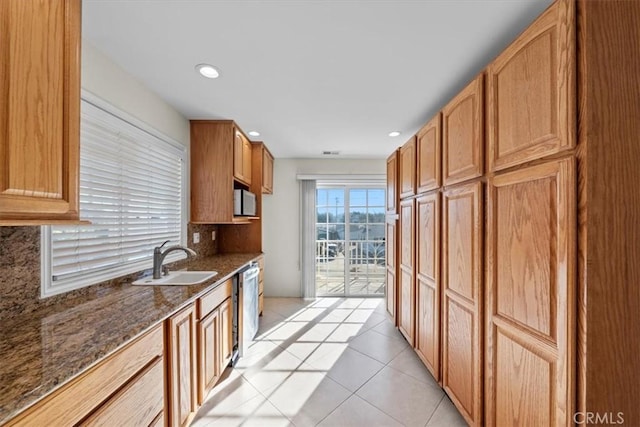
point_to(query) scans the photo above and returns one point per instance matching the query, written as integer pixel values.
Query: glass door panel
(350, 245)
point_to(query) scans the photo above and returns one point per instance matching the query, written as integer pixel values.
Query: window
(131, 189)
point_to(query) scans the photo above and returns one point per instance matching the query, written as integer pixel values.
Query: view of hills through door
(350, 241)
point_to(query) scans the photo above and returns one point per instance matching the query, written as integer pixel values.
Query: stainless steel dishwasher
(245, 309)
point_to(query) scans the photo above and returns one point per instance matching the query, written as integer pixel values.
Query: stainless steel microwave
(244, 203)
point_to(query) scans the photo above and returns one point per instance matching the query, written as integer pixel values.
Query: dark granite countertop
(44, 350)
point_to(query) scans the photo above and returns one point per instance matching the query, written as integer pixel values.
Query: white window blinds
(131, 189)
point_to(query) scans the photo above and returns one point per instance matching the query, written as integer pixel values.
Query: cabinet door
(246, 161)
(226, 340)
(408, 169)
(181, 361)
(462, 299)
(428, 281)
(429, 159)
(39, 109)
(392, 183)
(406, 297)
(462, 134)
(238, 152)
(267, 172)
(209, 352)
(532, 105)
(531, 271)
(392, 264)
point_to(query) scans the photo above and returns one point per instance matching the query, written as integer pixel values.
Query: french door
(350, 241)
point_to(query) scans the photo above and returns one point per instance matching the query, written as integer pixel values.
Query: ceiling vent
(330, 153)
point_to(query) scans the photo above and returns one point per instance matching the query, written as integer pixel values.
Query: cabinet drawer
(208, 302)
(137, 404)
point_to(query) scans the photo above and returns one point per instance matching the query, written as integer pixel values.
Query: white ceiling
(309, 75)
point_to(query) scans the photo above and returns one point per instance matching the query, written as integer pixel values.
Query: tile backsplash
(20, 269)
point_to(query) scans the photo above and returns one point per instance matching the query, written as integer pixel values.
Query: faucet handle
(165, 242)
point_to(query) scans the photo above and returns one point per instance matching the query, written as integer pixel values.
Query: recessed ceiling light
(254, 133)
(208, 71)
(394, 134)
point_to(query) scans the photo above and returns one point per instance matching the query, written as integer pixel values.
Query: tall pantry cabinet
(539, 227)
(391, 230)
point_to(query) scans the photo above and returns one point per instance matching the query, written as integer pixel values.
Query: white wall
(281, 218)
(109, 81)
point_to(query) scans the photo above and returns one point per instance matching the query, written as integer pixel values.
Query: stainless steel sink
(178, 278)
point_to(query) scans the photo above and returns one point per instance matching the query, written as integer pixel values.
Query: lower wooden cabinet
(530, 289)
(406, 287)
(215, 340)
(428, 281)
(139, 403)
(462, 240)
(181, 362)
(209, 351)
(391, 265)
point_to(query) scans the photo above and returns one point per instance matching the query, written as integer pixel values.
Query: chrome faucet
(159, 255)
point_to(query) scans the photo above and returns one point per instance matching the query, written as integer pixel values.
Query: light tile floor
(327, 362)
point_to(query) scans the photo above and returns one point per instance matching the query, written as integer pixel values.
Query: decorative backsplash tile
(20, 269)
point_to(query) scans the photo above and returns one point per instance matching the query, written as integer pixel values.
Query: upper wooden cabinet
(429, 158)
(392, 183)
(217, 154)
(39, 110)
(428, 281)
(408, 168)
(531, 296)
(241, 158)
(462, 302)
(462, 134)
(267, 171)
(263, 166)
(531, 91)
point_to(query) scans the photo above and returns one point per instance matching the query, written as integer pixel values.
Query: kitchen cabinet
(214, 336)
(406, 286)
(392, 182)
(408, 169)
(241, 158)
(462, 134)
(531, 91)
(428, 155)
(427, 343)
(124, 389)
(530, 294)
(462, 354)
(391, 238)
(137, 404)
(219, 159)
(39, 111)
(265, 160)
(181, 367)
(560, 316)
